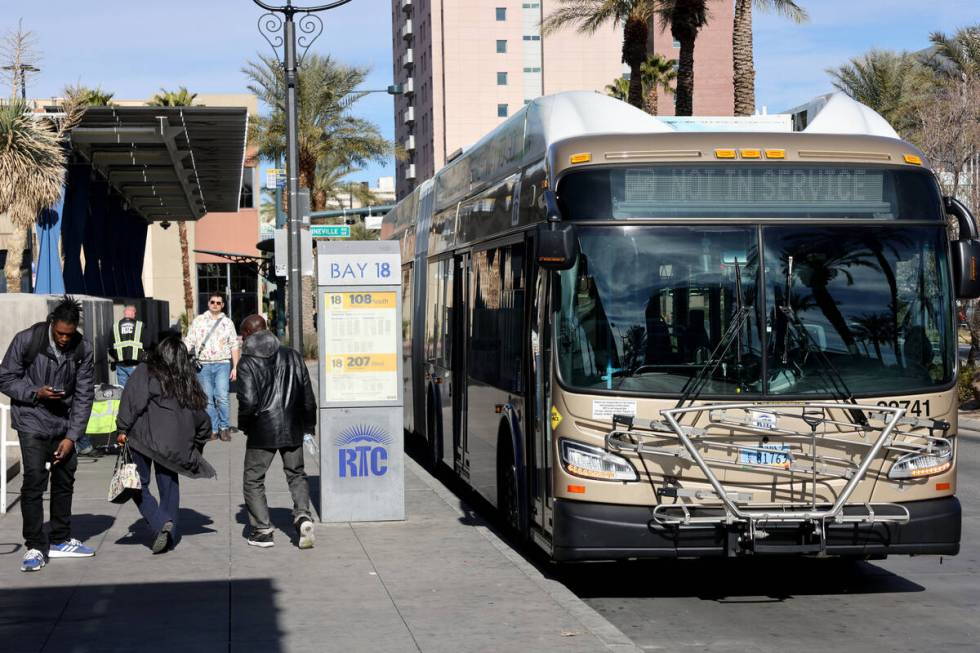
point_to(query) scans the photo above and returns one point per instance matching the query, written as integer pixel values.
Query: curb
(612, 638)
(970, 424)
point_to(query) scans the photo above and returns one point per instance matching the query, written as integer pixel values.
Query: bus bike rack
(750, 523)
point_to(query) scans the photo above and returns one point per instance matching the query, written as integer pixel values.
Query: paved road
(799, 605)
(900, 604)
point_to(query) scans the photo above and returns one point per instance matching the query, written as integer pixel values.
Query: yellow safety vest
(103, 417)
(135, 345)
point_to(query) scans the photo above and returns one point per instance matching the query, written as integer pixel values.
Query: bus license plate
(771, 455)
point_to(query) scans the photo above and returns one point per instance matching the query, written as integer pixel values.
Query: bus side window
(531, 207)
(512, 350)
(433, 319)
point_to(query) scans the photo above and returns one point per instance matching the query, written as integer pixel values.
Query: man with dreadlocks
(48, 374)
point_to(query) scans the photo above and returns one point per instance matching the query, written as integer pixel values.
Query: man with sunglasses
(212, 339)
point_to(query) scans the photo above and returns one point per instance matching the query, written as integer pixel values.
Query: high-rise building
(465, 65)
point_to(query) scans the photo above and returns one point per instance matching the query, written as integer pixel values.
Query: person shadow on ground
(84, 526)
(281, 518)
(190, 522)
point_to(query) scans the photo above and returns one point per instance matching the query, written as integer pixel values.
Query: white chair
(4, 443)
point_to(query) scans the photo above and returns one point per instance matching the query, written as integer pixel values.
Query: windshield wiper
(733, 333)
(809, 344)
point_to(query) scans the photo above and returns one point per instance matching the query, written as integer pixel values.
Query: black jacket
(276, 404)
(159, 428)
(75, 373)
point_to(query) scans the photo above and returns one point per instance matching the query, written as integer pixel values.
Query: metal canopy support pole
(270, 26)
(294, 256)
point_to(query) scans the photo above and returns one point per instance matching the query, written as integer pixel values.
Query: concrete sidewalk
(439, 581)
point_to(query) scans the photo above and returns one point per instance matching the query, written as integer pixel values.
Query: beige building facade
(466, 65)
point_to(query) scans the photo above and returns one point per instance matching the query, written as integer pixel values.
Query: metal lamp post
(280, 32)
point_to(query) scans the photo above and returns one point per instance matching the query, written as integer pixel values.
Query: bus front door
(539, 427)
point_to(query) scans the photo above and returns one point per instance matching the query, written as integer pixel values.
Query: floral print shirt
(219, 346)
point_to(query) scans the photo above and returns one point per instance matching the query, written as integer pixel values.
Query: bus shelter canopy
(169, 163)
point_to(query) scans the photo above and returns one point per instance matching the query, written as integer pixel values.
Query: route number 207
(917, 408)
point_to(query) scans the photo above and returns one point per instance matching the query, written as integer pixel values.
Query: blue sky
(134, 47)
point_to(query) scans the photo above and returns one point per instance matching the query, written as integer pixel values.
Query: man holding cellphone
(48, 374)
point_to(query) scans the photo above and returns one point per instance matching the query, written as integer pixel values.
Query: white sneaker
(307, 533)
(33, 561)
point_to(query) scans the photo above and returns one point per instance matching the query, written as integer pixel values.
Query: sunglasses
(217, 303)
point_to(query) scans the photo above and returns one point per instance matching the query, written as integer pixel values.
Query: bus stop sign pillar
(362, 453)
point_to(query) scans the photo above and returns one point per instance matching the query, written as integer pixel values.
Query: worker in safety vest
(127, 344)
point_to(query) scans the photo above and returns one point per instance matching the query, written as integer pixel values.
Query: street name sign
(330, 230)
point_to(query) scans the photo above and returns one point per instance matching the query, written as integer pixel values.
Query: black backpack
(39, 343)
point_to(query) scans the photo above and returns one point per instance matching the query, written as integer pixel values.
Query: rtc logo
(362, 451)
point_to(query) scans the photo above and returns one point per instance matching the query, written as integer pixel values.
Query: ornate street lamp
(280, 32)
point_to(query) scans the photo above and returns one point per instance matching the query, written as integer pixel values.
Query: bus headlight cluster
(920, 465)
(592, 462)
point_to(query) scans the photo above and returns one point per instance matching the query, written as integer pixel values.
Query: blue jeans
(214, 380)
(157, 513)
(122, 374)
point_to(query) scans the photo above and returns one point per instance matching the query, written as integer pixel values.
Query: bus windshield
(645, 308)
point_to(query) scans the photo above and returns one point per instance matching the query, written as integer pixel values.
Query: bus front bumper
(597, 531)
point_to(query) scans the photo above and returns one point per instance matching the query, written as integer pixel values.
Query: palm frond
(787, 8)
(32, 163)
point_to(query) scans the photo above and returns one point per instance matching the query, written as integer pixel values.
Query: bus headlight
(919, 465)
(592, 462)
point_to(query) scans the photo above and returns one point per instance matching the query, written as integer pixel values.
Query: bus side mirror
(557, 246)
(556, 242)
(965, 251)
(966, 256)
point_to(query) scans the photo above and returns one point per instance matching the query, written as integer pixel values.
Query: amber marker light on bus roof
(775, 154)
(725, 153)
(914, 159)
(751, 154)
(581, 157)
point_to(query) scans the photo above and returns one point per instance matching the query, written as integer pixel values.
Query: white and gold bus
(643, 337)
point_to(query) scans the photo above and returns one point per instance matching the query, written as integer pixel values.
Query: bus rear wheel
(431, 437)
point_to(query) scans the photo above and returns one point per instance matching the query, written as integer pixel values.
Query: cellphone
(58, 391)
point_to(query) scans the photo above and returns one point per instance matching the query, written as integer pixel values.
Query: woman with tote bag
(162, 420)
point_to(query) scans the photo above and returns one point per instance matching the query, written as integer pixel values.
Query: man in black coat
(49, 376)
(276, 407)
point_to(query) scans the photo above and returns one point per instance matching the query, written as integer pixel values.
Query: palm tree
(685, 19)
(32, 173)
(957, 55)
(743, 76)
(331, 140)
(328, 135)
(883, 80)
(590, 15)
(658, 72)
(179, 98)
(90, 97)
(619, 89)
